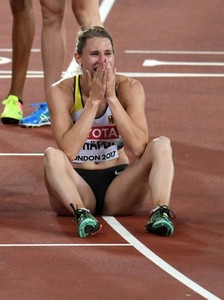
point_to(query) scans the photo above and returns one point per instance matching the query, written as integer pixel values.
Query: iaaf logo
(104, 132)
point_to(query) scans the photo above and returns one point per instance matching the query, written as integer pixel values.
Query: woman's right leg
(64, 185)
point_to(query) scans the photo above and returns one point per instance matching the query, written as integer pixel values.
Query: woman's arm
(128, 109)
(71, 137)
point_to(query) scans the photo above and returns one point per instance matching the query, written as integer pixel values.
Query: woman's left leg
(153, 171)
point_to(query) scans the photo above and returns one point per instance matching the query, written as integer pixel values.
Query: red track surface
(187, 109)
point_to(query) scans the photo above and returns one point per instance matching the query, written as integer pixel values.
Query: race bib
(97, 155)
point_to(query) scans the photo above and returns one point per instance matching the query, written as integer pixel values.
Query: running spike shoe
(12, 112)
(38, 118)
(87, 224)
(159, 221)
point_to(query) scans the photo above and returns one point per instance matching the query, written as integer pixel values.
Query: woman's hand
(97, 82)
(110, 84)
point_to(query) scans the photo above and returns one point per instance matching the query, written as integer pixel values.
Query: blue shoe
(38, 118)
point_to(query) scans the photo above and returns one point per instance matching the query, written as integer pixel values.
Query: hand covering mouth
(94, 71)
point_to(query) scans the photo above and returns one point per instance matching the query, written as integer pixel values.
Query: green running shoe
(159, 221)
(12, 112)
(87, 224)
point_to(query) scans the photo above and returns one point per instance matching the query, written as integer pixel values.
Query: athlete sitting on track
(94, 116)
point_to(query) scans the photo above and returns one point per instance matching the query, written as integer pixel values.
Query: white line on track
(105, 8)
(21, 154)
(143, 75)
(4, 60)
(151, 75)
(155, 63)
(10, 50)
(65, 245)
(174, 52)
(123, 232)
(28, 72)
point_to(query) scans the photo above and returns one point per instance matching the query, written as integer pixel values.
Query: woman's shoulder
(63, 86)
(125, 82)
(63, 82)
(62, 89)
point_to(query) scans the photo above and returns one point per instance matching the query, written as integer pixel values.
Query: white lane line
(65, 245)
(123, 232)
(10, 50)
(142, 75)
(174, 52)
(155, 63)
(21, 154)
(28, 72)
(105, 8)
(151, 75)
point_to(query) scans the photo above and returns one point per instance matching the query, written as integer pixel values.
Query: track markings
(151, 75)
(64, 245)
(33, 74)
(10, 50)
(21, 154)
(4, 60)
(155, 63)
(174, 52)
(125, 234)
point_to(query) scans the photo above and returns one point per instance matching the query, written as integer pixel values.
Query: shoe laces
(79, 213)
(163, 209)
(11, 99)
(40, 109)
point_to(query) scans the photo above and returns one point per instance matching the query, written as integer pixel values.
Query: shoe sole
(89, 227)
(34, 126)
(6, 120)
(162, 228)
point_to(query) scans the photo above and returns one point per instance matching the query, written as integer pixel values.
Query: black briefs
(99, 180)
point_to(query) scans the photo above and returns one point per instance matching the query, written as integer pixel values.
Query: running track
(176, 49)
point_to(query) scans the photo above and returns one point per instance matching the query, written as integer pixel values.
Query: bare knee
(53, 157)
(18, 7)
(52, 12)
(86, 13)
(162, 146)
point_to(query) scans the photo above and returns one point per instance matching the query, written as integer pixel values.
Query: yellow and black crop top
(104, 140)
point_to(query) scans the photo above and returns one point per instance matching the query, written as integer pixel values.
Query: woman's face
(96, 51)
